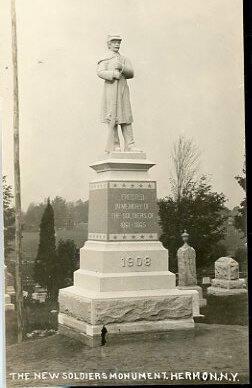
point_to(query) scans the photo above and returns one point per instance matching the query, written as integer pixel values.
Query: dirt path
(214, 348)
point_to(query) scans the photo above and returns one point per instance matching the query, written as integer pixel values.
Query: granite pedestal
(124, 280)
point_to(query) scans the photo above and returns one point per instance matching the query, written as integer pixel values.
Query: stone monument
(187, 278)
(226, 281)
(124, 280)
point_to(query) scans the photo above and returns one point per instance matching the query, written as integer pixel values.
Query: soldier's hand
(117, 74)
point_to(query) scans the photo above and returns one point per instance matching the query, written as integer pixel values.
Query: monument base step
(128, 281)
(219, 291)
(98, 308)
(91, 334)
(202, 301)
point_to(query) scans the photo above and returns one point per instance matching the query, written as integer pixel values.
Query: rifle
(113, 120)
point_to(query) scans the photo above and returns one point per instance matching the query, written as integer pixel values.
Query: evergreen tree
(46, 264)
(66, 252)
(59, 205)
(200, 211)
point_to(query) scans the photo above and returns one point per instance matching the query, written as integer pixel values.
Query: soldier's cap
(114, 37)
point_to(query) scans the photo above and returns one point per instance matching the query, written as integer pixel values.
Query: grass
(30, 240)
(213, 348)
(37, 316)
(226, 310)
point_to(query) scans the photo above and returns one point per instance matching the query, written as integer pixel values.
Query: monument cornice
(122, 165)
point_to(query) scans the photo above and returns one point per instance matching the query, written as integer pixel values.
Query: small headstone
(9, 290)
(186, 263)
(9, 280)
(187, 278)
(206, 280)
(39, 296)
(226, 281)
(226, 268)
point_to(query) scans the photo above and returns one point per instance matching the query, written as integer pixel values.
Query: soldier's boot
(113, 142)
(116, 147)
(129, 142)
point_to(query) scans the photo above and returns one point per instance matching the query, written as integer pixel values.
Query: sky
(188, 61)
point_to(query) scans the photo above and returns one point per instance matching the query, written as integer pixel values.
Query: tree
(200, 212)
(46, 266)
(9, 221)
(185, 161)
(80, 211)
(240, 220)
(66, 251)
(60, 211)
(33, 216)
(241, 255)
(66, 214)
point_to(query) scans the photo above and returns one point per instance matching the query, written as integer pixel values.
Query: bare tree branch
(185, 165)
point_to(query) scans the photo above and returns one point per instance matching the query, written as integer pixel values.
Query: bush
(218, 250)
(202, 213)
(241, 256)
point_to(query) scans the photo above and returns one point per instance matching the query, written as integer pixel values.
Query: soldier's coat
(105, 70)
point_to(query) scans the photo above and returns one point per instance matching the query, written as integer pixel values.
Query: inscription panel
(123, 211)
(132, 211)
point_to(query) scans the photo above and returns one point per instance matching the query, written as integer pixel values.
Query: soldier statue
(115, 69)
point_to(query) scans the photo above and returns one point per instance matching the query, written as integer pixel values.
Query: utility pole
(17, 194)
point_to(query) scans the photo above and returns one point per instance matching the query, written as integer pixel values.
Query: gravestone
(206, 280)
(9, 290)
(187, 277)
(227, 298)
(226, 281)
(124, 280)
